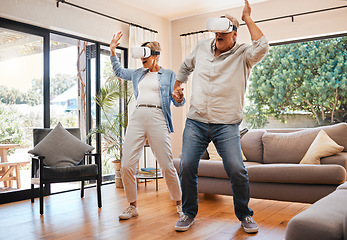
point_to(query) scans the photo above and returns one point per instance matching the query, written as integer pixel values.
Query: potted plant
(113, 122)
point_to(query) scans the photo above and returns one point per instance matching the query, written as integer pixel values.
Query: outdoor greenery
(308, 76)
(19, 112)
(113, 121)
(59, 84)
(10, 130)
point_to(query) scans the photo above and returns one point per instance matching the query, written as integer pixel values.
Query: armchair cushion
(61, 148)
(61, 173)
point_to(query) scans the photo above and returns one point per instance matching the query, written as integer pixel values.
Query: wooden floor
(67, 216)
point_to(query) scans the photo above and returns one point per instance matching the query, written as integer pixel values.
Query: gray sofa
(273, 167)
(324, 220)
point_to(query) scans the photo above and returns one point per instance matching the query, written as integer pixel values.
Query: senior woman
(151, 119)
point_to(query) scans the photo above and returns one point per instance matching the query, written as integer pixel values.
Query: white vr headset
(220, 25)
(142, 52)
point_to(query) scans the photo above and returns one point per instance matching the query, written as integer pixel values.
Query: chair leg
(98, 188)
(41, 197)
(32, 193)
(82, 189)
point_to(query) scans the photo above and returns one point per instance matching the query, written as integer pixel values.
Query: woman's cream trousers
(148, 123)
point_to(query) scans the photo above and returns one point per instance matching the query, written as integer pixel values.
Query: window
(304, 80)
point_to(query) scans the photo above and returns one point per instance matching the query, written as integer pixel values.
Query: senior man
(221, 68)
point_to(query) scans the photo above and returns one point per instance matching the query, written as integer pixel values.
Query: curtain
(81, 74)
(188, 43)
(137, 36)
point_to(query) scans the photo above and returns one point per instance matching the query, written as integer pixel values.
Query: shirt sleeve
(119, 71)
(188, 66)
(257, 51)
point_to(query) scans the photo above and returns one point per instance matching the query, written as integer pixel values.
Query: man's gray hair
(233, 20)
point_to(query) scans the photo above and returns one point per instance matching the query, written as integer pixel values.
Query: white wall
(71, 20)
(280, 30)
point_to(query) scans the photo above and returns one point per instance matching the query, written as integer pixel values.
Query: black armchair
(44, 175)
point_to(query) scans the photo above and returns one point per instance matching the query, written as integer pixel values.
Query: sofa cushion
(287, 147)
(213, 169)
(322, 146)
(322, 221)
(295, 173)
(252, 146)
(339, 159)
(291, 147)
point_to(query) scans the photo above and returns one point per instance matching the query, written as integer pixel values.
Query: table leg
(18, 177)
(3, 156)
(156, 175)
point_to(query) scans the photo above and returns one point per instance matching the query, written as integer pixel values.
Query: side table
(156, 176)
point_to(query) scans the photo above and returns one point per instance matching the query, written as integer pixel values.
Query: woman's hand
(115, 42)
(177, 93)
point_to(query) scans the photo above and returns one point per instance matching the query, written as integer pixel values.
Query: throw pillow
(322, 146)
(61, 148)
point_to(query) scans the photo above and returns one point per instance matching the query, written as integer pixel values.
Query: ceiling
(175, 9)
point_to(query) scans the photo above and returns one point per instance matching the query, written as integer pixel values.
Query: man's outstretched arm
(253, 29)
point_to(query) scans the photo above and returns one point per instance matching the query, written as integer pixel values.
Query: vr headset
(220, 25)
(143, 52)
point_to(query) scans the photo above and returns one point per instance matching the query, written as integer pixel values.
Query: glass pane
(63, 77)
(66, 67)
(111, 115)
(21, 101)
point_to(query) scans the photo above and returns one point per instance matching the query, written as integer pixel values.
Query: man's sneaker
(130, 212)
(179, 210)
(249, 225)
(184, 223)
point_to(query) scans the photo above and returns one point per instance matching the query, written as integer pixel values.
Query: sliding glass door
(45, 78)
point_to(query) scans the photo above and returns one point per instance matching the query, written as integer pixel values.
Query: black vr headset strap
(152, 52)
(155, 52)
(144, 44)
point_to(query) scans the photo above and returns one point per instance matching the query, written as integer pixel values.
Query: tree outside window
(301, 77)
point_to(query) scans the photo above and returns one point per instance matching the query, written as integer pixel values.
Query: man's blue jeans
(226, 138)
